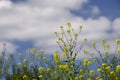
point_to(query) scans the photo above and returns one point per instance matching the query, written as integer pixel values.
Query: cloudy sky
(31, 23)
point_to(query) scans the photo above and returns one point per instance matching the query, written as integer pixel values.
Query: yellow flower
(41, 69)
(118, 51)
(34, 49)
(68, 24)
(99, 70)
(18, 64)
(71, 66)
(44, 58)
(112, 73)
(117, 41)
(85, 60)
(76, 78)
(64, 67)
(24, 65)
(55, 33)
(68, 31)
(75, 34)
(65, 48)
(85, 40)
(36, 55)
(95, 60)
(107, 45)
(81, 71)
(72, 62)
(80, 27)
(81, 77)
(25, 76)
(61, 27)
(19, 55)
(106, 52)
(103, 41)
(56, 57)
(85, 51)
(25, 60)
(40, 76)
(64, 55)
(89, 62)
(48, 69)
(91, 72)
(89, 79)
(107, 68)
(118, 68)
(42, 51)
(104, 64)
(93, 44)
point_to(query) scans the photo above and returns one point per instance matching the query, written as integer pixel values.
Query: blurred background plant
(5, 61)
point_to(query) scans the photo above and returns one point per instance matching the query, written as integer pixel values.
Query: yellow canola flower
(107, 68)
(65, 48)
(41, 69)
(18, 64)
(99, 70)
(68, 24)
(106, 52)
(118, 51)
(118, 68)
(103, 41)
(85, 60)
(91, 72)
(72, 62)
(68, 31)
(25, 76)
(42, 51)
(63, 55)
(107, 45)
(117, 41)
(61, 27)
(44, 58)
(104, 64)
(25, 60)
(76, 78)
(85, 51)
(56, 33)
(112, 73)
(81, 27)
(81, 77)
(19, 55)
(34, 49)
(85, 40)
(93, 44)
(64, 67)
(48, 69)
(40, 76)
(81, 71)
(36, 55)
(56, 57)
(75, 34)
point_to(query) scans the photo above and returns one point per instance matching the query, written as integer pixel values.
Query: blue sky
(31, 23)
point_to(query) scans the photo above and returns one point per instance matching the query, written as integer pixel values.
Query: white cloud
(95, 10)
(5, 4)
(116, 25)
(37, 20)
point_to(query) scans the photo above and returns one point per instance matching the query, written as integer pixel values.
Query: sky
(31, 23)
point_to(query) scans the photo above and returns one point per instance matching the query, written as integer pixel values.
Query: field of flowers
(64, 66)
